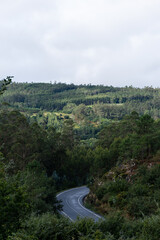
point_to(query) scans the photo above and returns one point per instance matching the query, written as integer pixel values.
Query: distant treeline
(54, 97)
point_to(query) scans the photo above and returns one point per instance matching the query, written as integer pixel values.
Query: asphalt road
(72, 201)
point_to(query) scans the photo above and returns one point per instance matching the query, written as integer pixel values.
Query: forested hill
(45, 150)
(94, 101)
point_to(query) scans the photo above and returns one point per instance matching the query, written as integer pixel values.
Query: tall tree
(4, 82)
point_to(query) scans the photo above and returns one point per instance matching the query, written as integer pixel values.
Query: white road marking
(69, 190)
(73, 208)
(86, 208)
(67, 216)
(80, 197)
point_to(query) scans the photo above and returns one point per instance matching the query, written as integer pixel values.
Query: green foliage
(140, 206)
(62, 151)
(76, 168)
(13, 205)
(16, 148)
(131, 138)
(100, 161)
(41, 193)
(86, 103)
(139, 190)
(48, 227)
(138, 198)
(113, 225)
(145, 124)
(86, 227)
(22, 235)
(151, 228)
(114, 193)
(24, 184)
(3, 84)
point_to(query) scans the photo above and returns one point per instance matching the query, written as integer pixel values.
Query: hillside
(44, 151)
(89, 106)
(98, 101)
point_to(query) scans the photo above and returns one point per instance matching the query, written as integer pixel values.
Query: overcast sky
(110, 42)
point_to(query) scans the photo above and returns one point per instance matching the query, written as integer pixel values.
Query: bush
(50, 227)
(40, 188)
(112, 224)
(112, 188)
(131, 229)
(86, 226)
(139, 189)
(21, 236)
(119, 200)
(101, 192)
(149, 176)
(151, 228)
(120, 185)
(140, 206)
(13, 206)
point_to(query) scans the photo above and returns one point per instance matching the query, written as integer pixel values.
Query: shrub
(13, 207)
(50, 227)
(112, 224)
(151, 228)
(131, 229)
(139, 189)
(119, 200)
(21, 236)
(101, 192)
(86, 226)
(120, 185)
(140, 206)
(112, 188)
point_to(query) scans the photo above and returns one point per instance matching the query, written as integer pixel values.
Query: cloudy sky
(110, 42)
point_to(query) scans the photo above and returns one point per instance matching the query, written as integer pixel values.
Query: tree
(145, 124)
(40, 189)
(68, 136)
(4, 82)
(13, 203)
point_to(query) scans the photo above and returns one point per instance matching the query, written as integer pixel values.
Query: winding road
(72, 201)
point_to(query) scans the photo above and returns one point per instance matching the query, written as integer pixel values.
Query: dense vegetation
(85, 102)
(56, 136)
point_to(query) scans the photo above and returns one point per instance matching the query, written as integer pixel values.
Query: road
(72, 201)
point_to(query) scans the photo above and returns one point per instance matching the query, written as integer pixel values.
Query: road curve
(72, 201)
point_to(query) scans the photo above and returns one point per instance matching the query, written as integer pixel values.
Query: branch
(4, 82)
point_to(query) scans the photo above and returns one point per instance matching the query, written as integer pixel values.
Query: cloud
(81, 41)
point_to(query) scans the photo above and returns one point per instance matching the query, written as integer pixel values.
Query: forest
(58, 136)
